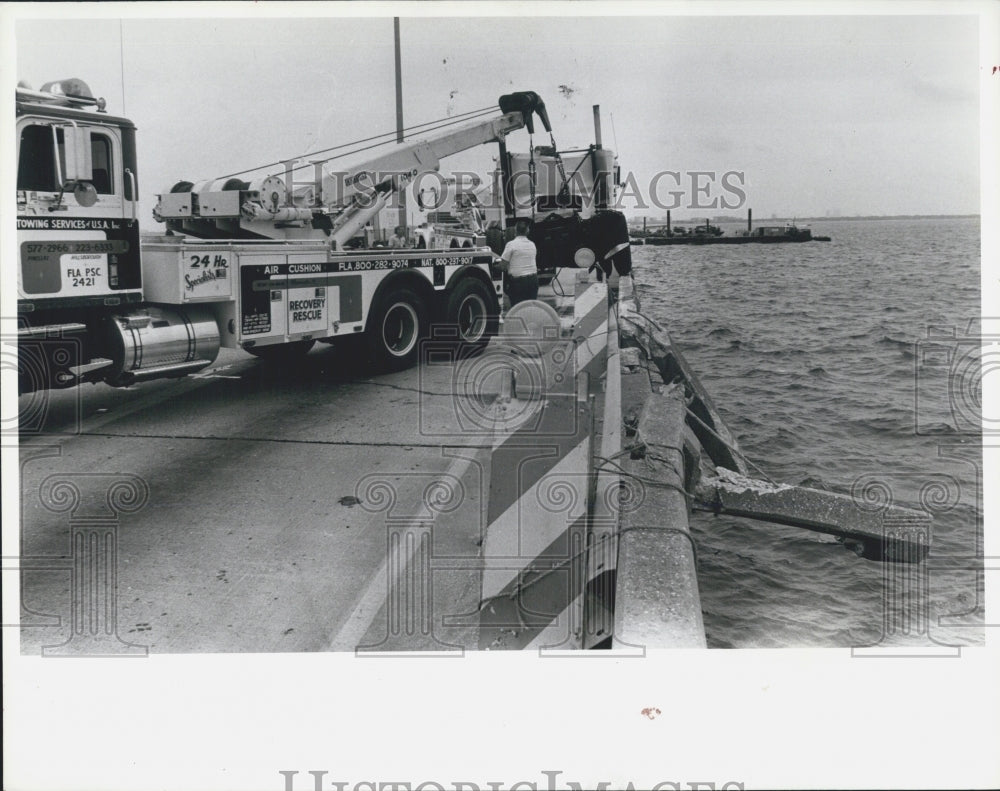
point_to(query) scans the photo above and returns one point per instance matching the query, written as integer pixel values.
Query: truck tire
(473, 310)
(395, 328)
(281, 352)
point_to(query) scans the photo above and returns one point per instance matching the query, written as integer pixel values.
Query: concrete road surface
(253, 507)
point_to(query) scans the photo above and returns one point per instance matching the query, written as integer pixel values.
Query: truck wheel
(395, 328)
(473, 310)
(279, 352)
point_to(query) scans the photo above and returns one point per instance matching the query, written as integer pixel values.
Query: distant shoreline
(883, 217)
(771, 220)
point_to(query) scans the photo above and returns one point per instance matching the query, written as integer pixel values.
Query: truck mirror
(85, 194)
(79, 157)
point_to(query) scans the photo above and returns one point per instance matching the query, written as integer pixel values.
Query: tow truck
(274, 263)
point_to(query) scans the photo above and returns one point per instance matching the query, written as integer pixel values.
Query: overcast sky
(822, 114)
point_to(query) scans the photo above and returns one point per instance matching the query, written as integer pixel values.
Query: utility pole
(401, 220)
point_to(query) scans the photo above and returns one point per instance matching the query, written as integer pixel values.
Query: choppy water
(819, 358)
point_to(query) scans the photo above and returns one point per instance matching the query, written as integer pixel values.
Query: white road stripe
(589, 299)
(591, 346)
(357, 624)
(506, 529)
(353, 631)
(526, 527)
(558, 635)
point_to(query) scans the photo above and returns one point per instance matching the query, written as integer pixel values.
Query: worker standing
(519, 262)
(398, 239)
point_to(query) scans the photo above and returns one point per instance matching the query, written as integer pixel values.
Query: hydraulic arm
(333, 204)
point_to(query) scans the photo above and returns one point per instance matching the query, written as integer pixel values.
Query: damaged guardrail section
(895, 534)
(685, 457)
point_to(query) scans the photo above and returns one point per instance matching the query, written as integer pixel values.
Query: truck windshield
(36, 167)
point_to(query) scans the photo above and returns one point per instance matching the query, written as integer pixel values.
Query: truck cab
(78, 236)
(80, 294)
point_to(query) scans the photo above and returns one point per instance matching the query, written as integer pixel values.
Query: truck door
(76, 237)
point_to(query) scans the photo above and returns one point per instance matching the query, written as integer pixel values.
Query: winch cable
(738, 451)
(607, 463)
(531, 174)
(729, 445)
(583, 161)
(564, 188)
(523, 583)
(447, 121)
(444, 122)
(307, 165)
(387, 142)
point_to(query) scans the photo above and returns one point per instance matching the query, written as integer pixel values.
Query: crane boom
(410, 160)
(334, 205)
(365, 189)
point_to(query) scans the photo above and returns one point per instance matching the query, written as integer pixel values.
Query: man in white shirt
(398, 239)
(519, 263)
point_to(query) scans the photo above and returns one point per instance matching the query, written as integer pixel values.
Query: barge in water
(711, 234)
